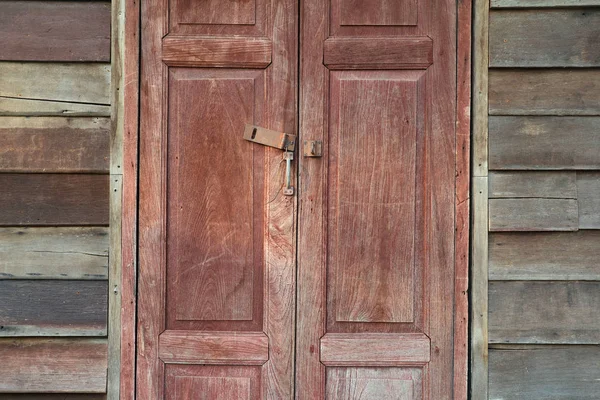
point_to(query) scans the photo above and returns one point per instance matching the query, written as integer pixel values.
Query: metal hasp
(267, 137)
(279, 140)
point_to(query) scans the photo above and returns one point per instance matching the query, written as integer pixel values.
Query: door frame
(125, 61)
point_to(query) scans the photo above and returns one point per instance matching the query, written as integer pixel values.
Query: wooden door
(216, 236)
(376, 212)
(220, 314)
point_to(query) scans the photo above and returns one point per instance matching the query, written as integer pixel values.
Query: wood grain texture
(527, 142)
(479, 287)
(213, 12)
(54, 253)
(26, 107)
(544, 312)
(544, 92)
(480, 110)
(588, 199)
(462, 199)
(543, 3)
(87, 83)
(374, 349)
(548, 185)
(217, 52)
(55, 31)
(544, 38)
(373, 280)
(53, 308)
(378, 12)
(53, 199)
(251, 348)
(533, 214)
(550, 372)
(54, 144)
(544, 256)
(206, 382)
(374, 383)
(378, 53)
(50, 396)
(58, 365)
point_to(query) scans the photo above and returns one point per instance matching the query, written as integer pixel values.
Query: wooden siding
(55, 136)
(540, 276)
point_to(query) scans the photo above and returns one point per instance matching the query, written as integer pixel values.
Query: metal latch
(279, 140)
(312, 148)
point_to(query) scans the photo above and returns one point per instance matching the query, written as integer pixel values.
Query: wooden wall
(537, 249)
(55, 129)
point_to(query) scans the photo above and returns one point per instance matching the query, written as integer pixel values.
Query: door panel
(376, 212)
(217, 235)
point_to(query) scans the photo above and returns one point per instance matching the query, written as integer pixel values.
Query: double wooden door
(344, 290)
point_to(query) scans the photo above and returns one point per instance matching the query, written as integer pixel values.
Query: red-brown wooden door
(343, 291)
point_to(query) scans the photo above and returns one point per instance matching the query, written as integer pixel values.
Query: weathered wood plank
(53, 365)
(53, 199)
(53, 308)
(27, 107)
(544, 142)
(544, 256)
(54, 144)
(555, 185)
(480, 100)
(588, 188)
(543, 3)
(544, 312)
(545, 38)
(54, 253)
(545, 372)
(65, 82)
(52, 396)
(544, 92)
(533, 214)
(479, 296)
(55, 31)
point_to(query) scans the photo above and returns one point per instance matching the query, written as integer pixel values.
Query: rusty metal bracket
(312, 148)
(267, 137)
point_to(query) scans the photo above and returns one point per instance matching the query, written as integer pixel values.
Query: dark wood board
(544, 312)
(544, 256)
(54, 253)
(545, 38)
(588, 188)
(545, 372)
(543, 184)
(533, 214)
(544, 92)
(540, 142)
(53, 308)
(53, 365)
(55, 31)
(54, 144)
(53, 199)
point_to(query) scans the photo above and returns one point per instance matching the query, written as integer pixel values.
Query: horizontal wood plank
(53, 308)
(26, 107)
(53, 365)
(545, 38)
(544, 312)
(54, 253)
(51, 144)
(378, 53)
(53, 199)
(87, 83)
(55, 31)
(544, 92)
(588, 188)
(534, 214)
(544, 143)
(250, 348)
(374, 349)
(53, 396)
(545, 372)
(544, 256)
(555, 185)
(217, 52)
(543, 3)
